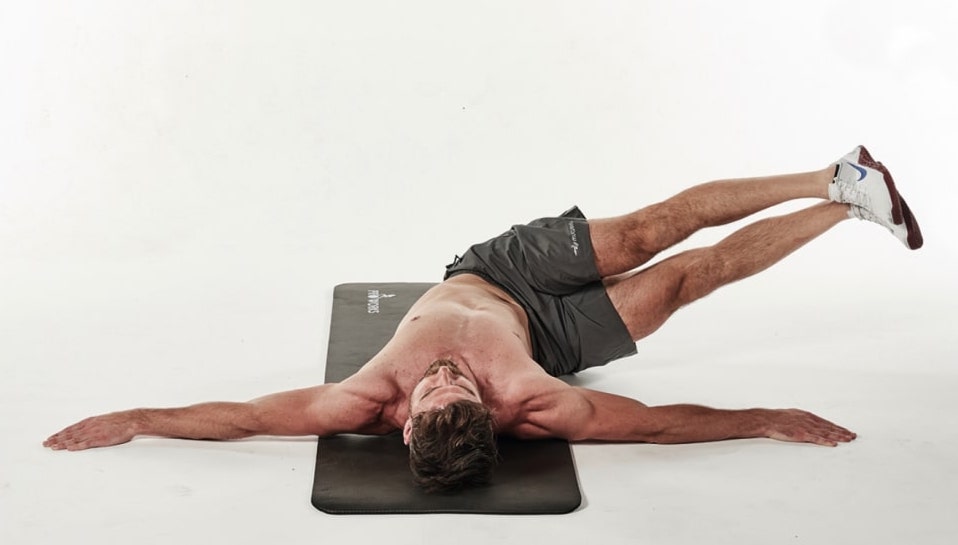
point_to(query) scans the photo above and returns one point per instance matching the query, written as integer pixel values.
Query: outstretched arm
(320, 410)
(580, 414)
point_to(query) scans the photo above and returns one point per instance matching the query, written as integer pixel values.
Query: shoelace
(850, 193)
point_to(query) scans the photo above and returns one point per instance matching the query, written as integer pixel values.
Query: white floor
(182, 185)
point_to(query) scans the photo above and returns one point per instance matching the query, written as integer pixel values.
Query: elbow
(656, 435)
(253, 422)
(237, 421)
(661, 439)
(652, 439)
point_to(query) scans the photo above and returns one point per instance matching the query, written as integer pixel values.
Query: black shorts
(548, 267)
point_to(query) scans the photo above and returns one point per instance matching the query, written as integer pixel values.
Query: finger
(60, 435)
(65, 440)
(53, 441)
(78, 441)
(838, 433)
(840, 430)
(820, 440)
(844, 437)
(824, 439)
(821, 425)
(835, 426)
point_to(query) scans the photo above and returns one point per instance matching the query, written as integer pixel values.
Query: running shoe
(914, 239)
(868, 187)
(862, 181)
(900, 231)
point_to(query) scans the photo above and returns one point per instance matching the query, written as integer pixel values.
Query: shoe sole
(865, 159)
(915, 240)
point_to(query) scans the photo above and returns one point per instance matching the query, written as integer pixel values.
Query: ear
(407, 431)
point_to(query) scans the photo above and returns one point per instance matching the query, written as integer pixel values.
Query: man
(479, 353)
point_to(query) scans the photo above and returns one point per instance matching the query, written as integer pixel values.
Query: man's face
(442, 383)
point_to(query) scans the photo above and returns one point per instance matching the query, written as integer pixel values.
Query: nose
(445, 375)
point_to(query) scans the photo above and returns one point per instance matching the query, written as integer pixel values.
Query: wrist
(759, 422)
(139, 422)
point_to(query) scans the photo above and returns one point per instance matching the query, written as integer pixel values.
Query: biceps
(566, 415)
(613, 418)
(322, 410)
(296, 412)
(580, 414)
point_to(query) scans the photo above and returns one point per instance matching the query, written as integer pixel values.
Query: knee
(701, 273)
(657, 227)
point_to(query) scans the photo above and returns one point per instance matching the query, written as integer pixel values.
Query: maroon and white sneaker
(868, 187)
(911, 238)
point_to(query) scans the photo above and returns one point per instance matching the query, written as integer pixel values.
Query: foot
(861, 181)
(868, 187)
(900, 231)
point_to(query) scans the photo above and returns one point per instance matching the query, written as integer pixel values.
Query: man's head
(449, 431)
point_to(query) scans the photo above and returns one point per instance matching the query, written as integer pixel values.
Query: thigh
(626, 242)
(615, 247)
(647, 298)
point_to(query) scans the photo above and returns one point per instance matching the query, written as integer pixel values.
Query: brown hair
(452, 447)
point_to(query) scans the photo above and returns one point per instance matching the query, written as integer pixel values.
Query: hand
(98, 431)
(803, 426)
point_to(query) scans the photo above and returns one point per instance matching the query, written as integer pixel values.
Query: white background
(183, 183)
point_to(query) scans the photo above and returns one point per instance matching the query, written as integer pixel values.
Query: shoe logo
(861, 171)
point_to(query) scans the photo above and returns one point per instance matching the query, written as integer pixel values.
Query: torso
(471, 322)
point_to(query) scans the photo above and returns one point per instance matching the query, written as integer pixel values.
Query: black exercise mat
(358, 474)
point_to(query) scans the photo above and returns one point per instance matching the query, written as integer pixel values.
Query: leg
(625, 242)
(647, 298)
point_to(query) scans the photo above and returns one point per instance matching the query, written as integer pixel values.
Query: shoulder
(540, 406)
(359, 404)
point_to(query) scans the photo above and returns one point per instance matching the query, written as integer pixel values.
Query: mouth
(435, 366)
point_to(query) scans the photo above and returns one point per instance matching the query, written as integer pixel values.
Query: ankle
(823, 180)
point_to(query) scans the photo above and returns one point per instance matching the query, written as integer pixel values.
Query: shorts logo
(574, 238)
(372, 300)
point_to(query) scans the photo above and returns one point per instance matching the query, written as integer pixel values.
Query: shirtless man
(479, 353)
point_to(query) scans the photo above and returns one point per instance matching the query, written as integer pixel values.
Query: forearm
(295, 412)
(214, 420)
(580, 414)
(694, 423)
(203, 421)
